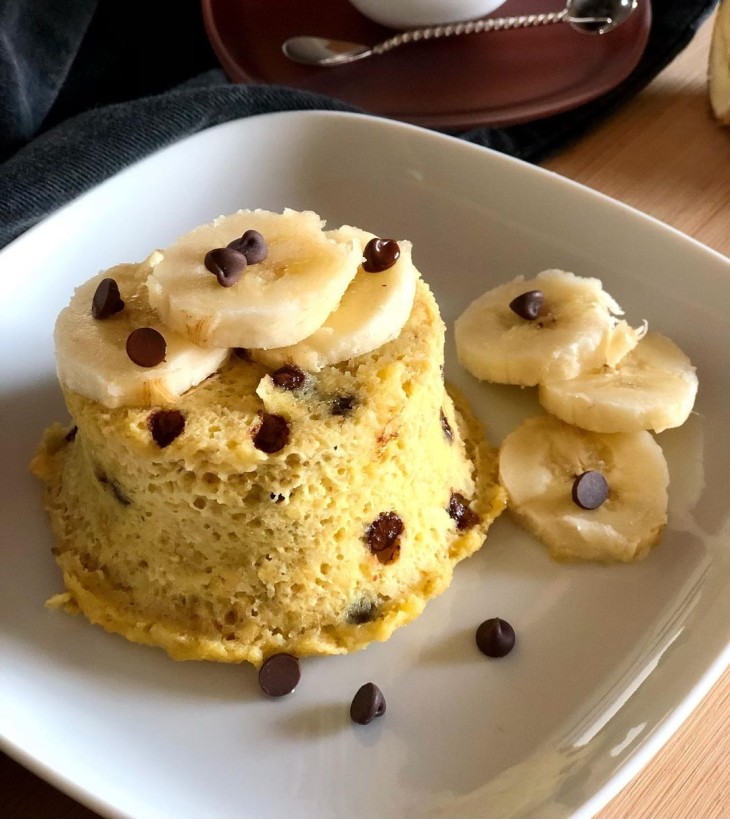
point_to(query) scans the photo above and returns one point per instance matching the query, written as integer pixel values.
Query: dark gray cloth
(86, 90)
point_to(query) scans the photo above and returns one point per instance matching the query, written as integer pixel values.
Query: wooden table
(663, 154)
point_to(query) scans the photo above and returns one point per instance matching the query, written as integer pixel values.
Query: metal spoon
(587, 16)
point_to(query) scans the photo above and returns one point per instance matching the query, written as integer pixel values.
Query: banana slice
(574, 332)
(719, 64)
(538, 466)
(372, 312)
(276, 302)
(653, 387)
(91, 353)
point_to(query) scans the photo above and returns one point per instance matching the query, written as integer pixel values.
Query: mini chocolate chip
(242, 353)
(272, 434)
(288, 377)
(165, 426)
(495, 637)
(71, 434)
(446, 426)
(226, 264)
(590, 490)
(279, 675)
(119, 493)
(146, 347)
(343, 404)
(459, 510)
(106, 301)
(383, 536)
(252, 245)
(380, 254)
(367, 704)
(527, 305)
(362, 612)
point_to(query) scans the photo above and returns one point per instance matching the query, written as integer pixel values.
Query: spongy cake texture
(213, 549)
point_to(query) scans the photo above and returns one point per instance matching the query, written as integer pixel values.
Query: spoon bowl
(595, 17)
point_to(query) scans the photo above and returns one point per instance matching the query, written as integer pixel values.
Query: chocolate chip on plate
(279, 675)
(367, 704)
(446, 426)
(380, 254)
(495, 637)
(288, 377)
(165, 426)
(459, 510)
(253, 246)
(527, 305)
(226, 264)
(273, 433)
(383, 536)
(106, 301)
(146, 347)
(590, 490)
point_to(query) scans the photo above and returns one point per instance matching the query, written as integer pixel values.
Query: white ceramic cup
(417, 13)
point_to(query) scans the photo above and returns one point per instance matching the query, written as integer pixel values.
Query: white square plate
(609, 659)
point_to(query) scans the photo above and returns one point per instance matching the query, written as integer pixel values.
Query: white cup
(417, 13)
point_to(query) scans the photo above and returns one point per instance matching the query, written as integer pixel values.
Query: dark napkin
(90, 86)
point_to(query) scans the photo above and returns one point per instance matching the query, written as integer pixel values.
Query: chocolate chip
(165, 426)
(527, 305)
(362, 612)
(146, 347)
(252, 245)
(367, 704)
(380, 254)
(343, 404)
(590, 490)
(446, 426)
(383, 537)
(495, 637)
(459, 510)
(106, 301)
(279, 675)
(272, 434)
(288, 377)
(71, 434)
(226, 264)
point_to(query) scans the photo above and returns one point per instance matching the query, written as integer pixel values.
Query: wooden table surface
(663, 154)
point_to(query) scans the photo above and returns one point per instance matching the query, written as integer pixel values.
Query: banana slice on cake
(372, 312)
(93, 345)
(586, 495)
(652, 387)
(554, 326)
(276, 299)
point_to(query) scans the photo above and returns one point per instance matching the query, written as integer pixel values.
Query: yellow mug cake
(263, 456)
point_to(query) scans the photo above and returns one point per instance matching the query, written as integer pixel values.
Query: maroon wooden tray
(495, 78)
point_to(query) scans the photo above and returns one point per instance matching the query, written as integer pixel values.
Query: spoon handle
(469, 27)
